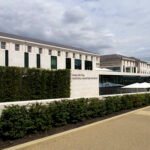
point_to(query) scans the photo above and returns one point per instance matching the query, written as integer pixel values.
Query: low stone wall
(23, 103)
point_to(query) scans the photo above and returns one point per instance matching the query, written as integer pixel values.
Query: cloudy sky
(102, 26)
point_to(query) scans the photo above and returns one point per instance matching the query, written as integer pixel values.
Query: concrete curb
(28, 144)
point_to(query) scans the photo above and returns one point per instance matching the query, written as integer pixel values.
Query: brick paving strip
(130, 131)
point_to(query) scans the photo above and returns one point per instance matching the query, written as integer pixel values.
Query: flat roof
(44, 42)
(118, 56)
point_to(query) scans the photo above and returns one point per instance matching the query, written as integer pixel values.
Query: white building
(124, 64)
(26, 52)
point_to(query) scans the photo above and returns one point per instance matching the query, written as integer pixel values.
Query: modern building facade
(86, 72)
(120, 63)
(26, 52)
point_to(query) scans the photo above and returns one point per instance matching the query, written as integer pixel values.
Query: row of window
(38, 61)
(29, 50)
(128, 69)
(78, 62)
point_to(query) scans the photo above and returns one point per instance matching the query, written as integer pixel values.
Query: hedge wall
(19, 121)
(18, 84)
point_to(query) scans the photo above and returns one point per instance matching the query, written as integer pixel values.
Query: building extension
(124, 64)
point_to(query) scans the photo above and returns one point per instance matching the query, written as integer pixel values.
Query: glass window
(3, 45)
(6, 58)
(59, 53)
(40, 50)
(29, 49)
(26, 60)
(78, 64)
(88, 65)
(38, 60)
(134, 69)
(116, 69)
(50, 52)
(68, 63)
(17, 47)
(53, 62)
(128, 69)
(80, 56)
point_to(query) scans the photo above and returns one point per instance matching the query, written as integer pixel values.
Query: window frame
(88, 65)
(53, 66)
(40, 50)
(68, 63)
(38, 60)
(3, 44)
(77, 66)
(29, 49)
(26, 60)
(58, 53)
(17, 47)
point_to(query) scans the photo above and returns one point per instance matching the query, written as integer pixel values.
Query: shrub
(96, 108)
(41, 117)
(118, 103)
(127, 102)
(147, 99)
(138, 100)
(110, 105)
(17, 84)
(59, 112)
(18, 121)
(77, 110)
(15, 122)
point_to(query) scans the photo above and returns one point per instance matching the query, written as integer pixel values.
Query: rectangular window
(116, 69)
(3, 45)
(80, 56)
(29, 49)
(68, 63)
(17, 47)
(59, 53)
(6, 58)
(88, 65)
(53, 62)
(38, 59)
(128, 69)
(134, 69)
(50, 52)
(40, 50)
(78, 64)
(26, 60)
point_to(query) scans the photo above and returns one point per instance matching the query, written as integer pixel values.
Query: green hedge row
(19, 121)
(18, 84)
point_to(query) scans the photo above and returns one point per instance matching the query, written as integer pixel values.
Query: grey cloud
(75, 15)
(102, 26)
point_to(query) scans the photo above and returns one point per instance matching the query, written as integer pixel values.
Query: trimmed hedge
(17, 84)
(19, 121)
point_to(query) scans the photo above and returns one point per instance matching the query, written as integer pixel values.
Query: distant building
(26, 52)
(120, 63)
